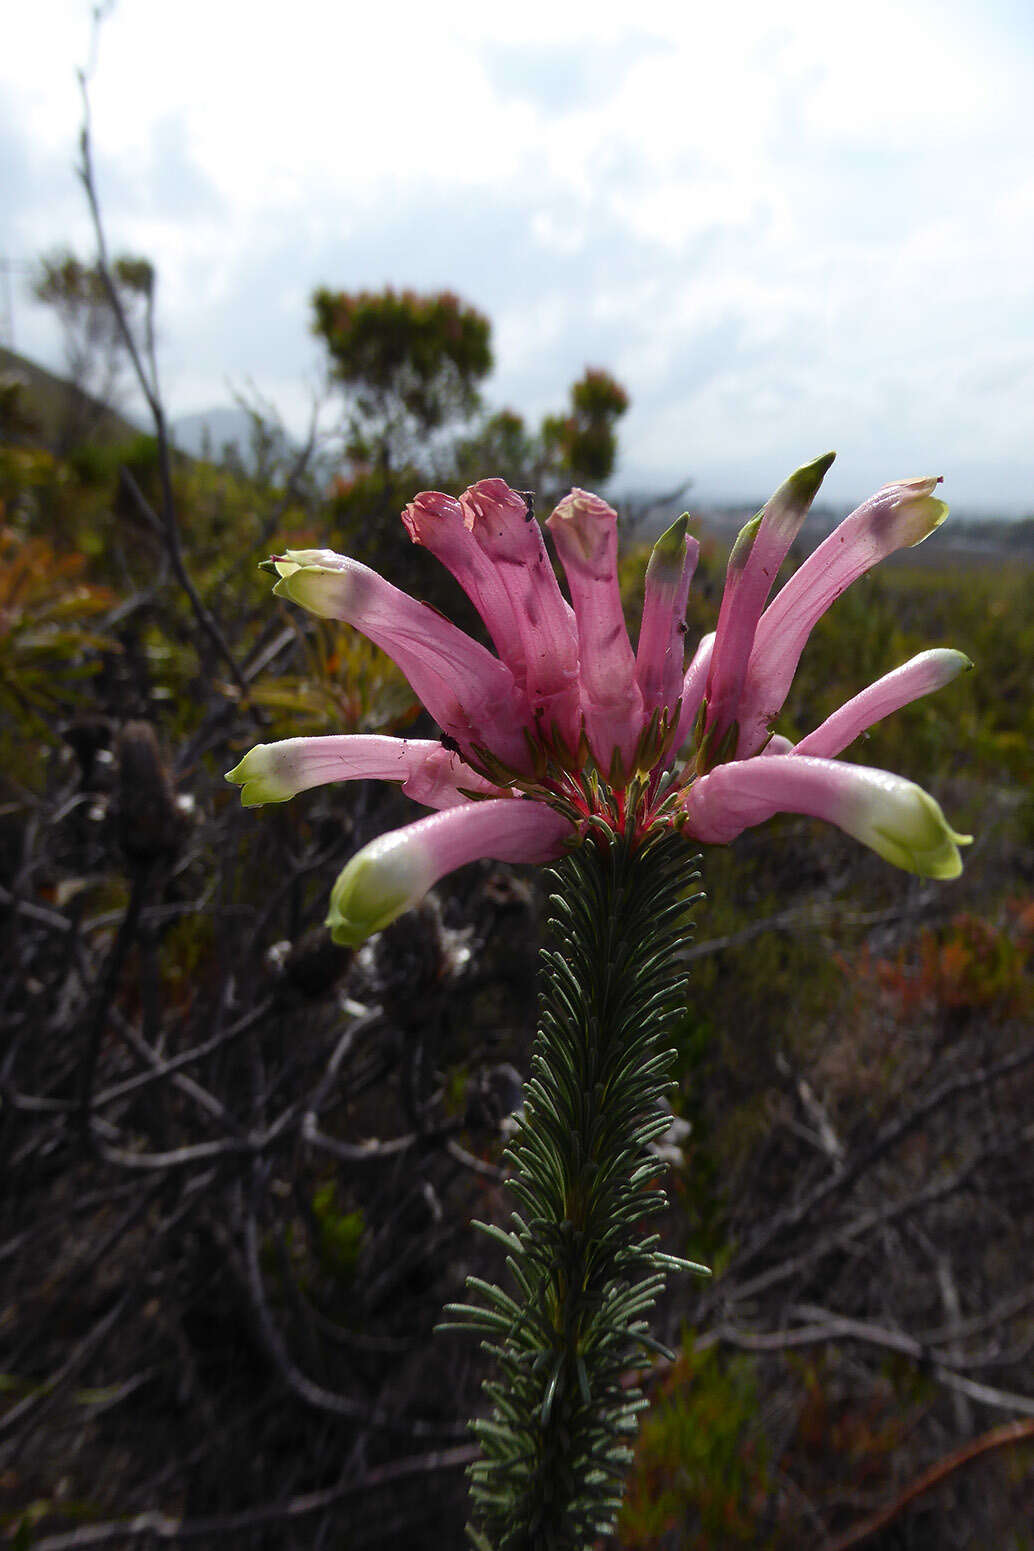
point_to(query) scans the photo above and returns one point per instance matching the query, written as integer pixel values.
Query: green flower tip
(921, 840)
(786, 510)
(313, 588)
(321, 581)
(946, 664)
(378, 885)
(803, 484)
(933, 514)
(917, 511)
(669, 552)
(286, 564)
(315, 562)
(259, 777)
(740, 552)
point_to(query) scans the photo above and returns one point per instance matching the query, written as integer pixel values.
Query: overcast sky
(783, 228)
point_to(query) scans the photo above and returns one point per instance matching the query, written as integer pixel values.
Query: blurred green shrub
(47, 649)
(702, 1471)
(340, 1233)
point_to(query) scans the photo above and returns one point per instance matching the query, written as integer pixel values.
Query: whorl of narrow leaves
(555, 1447)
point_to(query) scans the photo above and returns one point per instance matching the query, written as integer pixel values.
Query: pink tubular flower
(439, 522)
(470, 693)
(427, 772)
(505, 532)
(660, 659)
(896, 517)
(585, 532)
(568, 730)
(754, 563)
(395, 871)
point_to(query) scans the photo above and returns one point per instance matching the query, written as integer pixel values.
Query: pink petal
(893, 816)
(471, 694)
(929, 671)
(899, 515)
(275, 772)
(584, 530)
(442, 780)
(776, 744)
(511, 539)
(660, 657)
(395, 871)
(754, 562)
(437, 521)
(693, 686)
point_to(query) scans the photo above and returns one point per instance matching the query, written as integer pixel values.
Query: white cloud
(813, 224)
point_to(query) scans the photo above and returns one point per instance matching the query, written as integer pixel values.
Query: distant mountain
(207, 432)
(53, 402)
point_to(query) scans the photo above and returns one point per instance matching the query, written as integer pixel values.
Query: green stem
(555, 1447)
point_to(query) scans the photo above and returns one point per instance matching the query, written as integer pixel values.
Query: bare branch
(313, 1394)
(159, 1526)
(147, 377)
(835, 1327)
(1004, 1437)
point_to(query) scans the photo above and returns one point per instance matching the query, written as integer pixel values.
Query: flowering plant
(568, 718)
(569, 744)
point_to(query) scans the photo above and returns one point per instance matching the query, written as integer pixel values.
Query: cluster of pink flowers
(568, 726)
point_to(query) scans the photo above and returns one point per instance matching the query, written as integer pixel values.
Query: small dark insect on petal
(450, 744)
(528, 497)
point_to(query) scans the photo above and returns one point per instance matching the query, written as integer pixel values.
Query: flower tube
(468, 691)
(896, 517)
(439, 523)
(505, 530)
(275, 772)
(757, 554)
(394, 872)
(584, 530)
(660, 656)
(893, 816)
